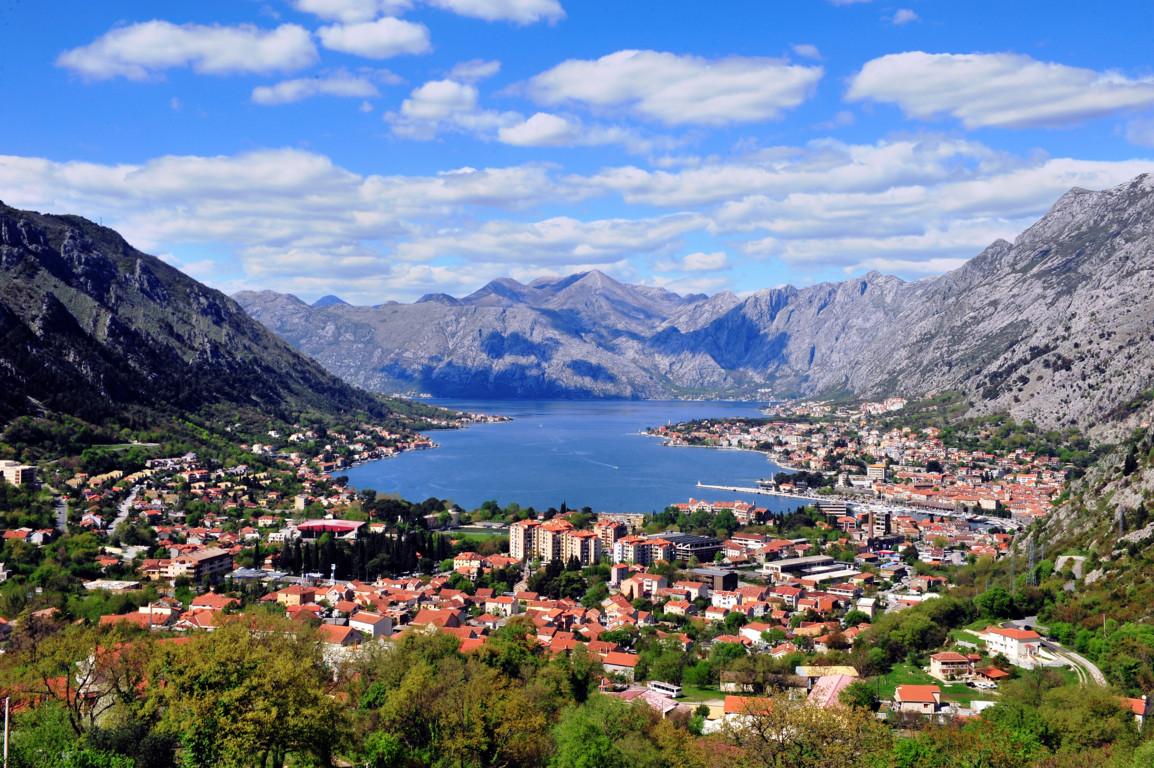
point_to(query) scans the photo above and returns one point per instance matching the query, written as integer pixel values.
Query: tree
(247, 694)
(859, 694)
(725, 523)
(792, 734)
(995, 603)
(607, 733)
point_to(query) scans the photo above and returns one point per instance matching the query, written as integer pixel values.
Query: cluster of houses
(911, 467)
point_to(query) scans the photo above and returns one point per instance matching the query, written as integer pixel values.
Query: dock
(758, 491)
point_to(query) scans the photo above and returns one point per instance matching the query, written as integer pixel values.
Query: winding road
(1086, 670)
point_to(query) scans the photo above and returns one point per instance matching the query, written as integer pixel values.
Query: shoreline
(667, 443)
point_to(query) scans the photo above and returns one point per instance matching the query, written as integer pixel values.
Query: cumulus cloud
(698, 261)
(806, 51)
(996, 89)
(352, 11)
(678, 90)
(544, 129)
(442, 106)
(540, 130)
(475, 70)
(904, 16)
(558, 240)
(295, 220)
(823, 164)
(340, 84)
(516, 11)
(140, 51)
(380, 39)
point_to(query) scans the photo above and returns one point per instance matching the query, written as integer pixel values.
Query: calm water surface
(578, 452)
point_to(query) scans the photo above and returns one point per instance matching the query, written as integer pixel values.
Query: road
(1086, 670)
(125, 508)
(62, 514)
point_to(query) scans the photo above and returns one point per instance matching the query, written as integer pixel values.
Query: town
(703, 612)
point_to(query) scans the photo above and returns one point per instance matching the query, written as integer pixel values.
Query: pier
(759, 491)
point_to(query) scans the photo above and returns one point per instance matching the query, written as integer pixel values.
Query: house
(372, 625)
(213, 602)
(949, 665)
(624, 664)
(992, 675)
(918, 699)
(1019, 646)
(502, 605)
(826, 691)
(335, 635)
(432, 619)
(294, 596)
(1140, 708)
(752, 631)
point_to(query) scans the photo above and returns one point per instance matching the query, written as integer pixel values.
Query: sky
(384, 149)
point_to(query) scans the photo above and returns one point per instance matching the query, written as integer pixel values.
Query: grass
(906, 674)
(476, 538)
(697, 693)
(966, 636)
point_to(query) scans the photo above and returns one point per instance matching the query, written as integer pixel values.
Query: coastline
(769, 457)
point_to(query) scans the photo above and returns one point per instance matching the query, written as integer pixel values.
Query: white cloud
(340, 84)
(823, 164)
(904, 16)
(558, 240)
(705, 262)
(540, 130)
(678, 90)
(807, 51)
(380, 39)
(351, 11)
(474, 70)
(544, 129)
(997, 89)
(516, 11)
(283, 198)
(1141, 132)
(143, 50)
(439, 99)
(447, 105)
(698, 261)
(294, 220)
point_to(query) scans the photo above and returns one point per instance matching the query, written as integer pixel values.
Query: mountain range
(90, 327)
(1055, 326)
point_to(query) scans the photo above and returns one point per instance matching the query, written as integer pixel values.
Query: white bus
(665, 689)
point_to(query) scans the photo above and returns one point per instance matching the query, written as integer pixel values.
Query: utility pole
(6, 699)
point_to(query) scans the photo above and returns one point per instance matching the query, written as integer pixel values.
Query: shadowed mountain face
(89, 326)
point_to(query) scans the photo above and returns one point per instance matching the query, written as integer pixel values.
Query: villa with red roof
(1019, 646)
(919, 699)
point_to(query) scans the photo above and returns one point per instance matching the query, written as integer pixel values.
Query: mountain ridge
(90, 326)
(1005, 329)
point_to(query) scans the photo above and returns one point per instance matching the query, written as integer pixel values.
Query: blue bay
(583, 453)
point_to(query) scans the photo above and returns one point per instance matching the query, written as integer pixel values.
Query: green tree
(859, 694)
(248, 695)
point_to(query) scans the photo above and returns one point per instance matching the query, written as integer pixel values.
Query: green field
(691, 693)
(906, 674)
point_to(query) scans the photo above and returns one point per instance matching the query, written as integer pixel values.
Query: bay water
(582, 453)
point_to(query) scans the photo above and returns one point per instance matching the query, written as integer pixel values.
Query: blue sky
(383, 149)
